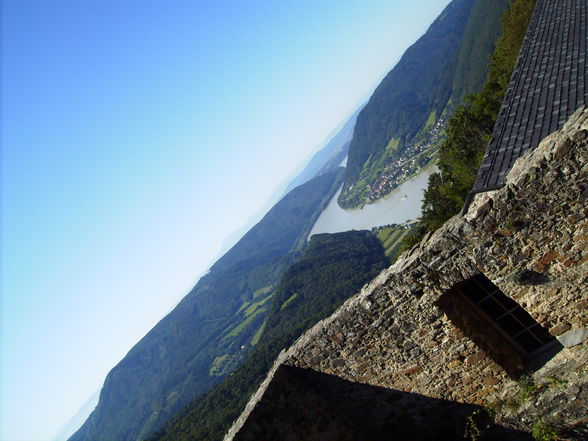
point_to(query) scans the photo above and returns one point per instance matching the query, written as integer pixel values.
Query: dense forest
(213, 328)
(471, 126)
(332, 269)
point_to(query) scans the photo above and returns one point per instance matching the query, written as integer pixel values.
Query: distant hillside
(330, 156)
(400, 128)
(327, 159)
(334, 267)
(212, 329)
(78, 419)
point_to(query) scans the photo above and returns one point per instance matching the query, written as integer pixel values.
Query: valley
(192, 375)
(399, 206)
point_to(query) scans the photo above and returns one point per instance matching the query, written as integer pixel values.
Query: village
(411, 160)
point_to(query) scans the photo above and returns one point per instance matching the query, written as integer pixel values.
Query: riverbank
(401, 205)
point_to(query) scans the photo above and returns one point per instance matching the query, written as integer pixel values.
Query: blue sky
(137, 135)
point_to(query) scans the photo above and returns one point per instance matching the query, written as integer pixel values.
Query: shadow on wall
(302, 404)
(499, 326)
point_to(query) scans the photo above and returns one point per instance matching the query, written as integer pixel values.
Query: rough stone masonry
(406, 359)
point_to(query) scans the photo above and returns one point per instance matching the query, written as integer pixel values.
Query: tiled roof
(547, 85)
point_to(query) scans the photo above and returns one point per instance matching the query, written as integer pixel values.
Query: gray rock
(573, 338)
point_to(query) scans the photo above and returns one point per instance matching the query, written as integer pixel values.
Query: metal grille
(505, 314)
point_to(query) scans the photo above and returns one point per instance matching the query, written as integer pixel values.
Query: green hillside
(334, 267)
(392, 238)
(471, 126)
(212, 329)
(199, 365)
(401, 127)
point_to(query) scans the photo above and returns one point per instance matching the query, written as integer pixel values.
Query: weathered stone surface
(573, 338)
(402, 332)
(326, 407)
(560, 329)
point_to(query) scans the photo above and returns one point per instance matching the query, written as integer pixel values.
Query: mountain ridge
(331, 269)
(331, 155)
(172, 362)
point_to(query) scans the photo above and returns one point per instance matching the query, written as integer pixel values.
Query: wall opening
(497, 324)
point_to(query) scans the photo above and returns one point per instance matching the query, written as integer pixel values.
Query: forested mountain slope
(333, 268)
(239, 308)
(400, 128)
(212, 328)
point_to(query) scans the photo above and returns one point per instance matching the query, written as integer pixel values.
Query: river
(397, 207)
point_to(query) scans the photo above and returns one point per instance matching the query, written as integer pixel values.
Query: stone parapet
(405, 332)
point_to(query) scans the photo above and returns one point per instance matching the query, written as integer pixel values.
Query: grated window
(504, 314)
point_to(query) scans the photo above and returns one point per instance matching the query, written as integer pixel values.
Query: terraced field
(391, 238)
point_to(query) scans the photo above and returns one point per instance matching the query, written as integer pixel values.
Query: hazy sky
(135, 136)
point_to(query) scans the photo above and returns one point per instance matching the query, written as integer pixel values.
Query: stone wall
(531, 239)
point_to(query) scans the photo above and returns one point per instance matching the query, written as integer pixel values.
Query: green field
(258, 334)
(287, 302)
(391, 239)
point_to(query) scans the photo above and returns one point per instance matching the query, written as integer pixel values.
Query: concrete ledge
(573, 338)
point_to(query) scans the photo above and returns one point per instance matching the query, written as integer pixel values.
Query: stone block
(549, 257)
(491, 381)
(413, 370)
(453, 364)
(573, 338)
(474, 358)
(559, 329)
